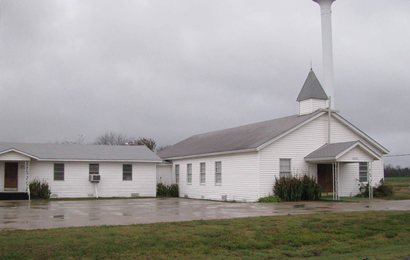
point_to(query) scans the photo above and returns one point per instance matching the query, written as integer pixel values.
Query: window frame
(127, 171)
(55, 171)
(283, 173)
(177, 168)
(361, 177)
(202, 173)
(218, 180)
(189, 173)
(90, 171)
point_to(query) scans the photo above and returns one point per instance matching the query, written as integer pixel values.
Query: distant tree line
(111, 138)
(390, 171)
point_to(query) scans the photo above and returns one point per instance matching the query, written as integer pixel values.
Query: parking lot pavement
(74, 213)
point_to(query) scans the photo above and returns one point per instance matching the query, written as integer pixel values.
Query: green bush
(167, 190)
(297, 189)
(269, 199)
(39, 189)
(380, 191)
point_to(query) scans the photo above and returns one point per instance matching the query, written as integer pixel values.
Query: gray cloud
(172, 68)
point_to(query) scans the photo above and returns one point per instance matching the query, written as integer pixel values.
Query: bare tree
(111, 138)
(163, 147)
(148, 142)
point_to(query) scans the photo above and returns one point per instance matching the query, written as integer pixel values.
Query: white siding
(356, 155)
(303, 141)
(164, 174)
(239, 178)
(348, 179)
(311, 105)
(76, 183)
(13, 156)
(294, 146)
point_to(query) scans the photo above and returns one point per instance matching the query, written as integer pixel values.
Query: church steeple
(312, 96)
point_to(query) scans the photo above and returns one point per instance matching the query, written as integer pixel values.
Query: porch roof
(354, 151)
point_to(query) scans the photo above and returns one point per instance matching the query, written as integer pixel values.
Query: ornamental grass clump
(297, 189)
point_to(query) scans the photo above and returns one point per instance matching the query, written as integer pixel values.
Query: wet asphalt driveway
(55, 214)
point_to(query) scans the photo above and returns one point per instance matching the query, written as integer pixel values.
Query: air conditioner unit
(95, 178)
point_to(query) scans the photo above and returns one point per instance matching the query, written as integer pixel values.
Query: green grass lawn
(376, 235)
(401, 187)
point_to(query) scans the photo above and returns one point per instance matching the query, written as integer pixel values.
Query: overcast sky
(168, 69)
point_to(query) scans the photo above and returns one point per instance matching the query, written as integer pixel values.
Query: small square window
(94, 168)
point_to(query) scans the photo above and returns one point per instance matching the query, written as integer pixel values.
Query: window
(285, 168)
(363, 171)
(189, 173)
(59, 171)
(177, 173)
(202, 176)
(218, 173)
(94, 169)
(127, 172)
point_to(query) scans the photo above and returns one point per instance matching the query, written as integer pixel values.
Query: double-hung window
(127, 172)
(285, 168)
(218, 173)
(189, 173)
(59, 171)
(177, 173)
(202, 173)
(363, 171)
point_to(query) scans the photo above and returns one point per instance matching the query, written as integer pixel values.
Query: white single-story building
(74, 171)
(242, 163)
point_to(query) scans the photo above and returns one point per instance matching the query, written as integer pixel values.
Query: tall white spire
(327, 46)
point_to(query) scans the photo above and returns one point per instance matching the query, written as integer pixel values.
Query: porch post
(27, 171)
(369, 179)
(335, 175)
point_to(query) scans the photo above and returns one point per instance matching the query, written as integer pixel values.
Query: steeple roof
(312, 89)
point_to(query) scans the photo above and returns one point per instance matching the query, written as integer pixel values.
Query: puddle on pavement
(298, 206)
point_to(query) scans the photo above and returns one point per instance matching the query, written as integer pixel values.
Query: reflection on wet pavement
(54, 214)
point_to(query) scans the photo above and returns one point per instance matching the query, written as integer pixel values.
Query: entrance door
(10, 176)
(325, 177)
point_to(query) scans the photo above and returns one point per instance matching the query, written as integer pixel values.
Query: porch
(342, 167)
(14, 176)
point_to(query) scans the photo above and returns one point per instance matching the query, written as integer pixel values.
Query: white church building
(242, 163)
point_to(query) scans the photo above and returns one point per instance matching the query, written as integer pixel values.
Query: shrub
(269, 199)
(167, 190)
(296, 189)
(39, 189)
(379, 191)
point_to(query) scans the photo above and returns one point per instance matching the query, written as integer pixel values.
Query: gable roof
(312, 89)
(333, 151)
(77, 152)
(242, 138)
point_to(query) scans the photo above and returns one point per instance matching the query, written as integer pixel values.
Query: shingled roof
(312, 89)
(234, 139)
(75, 152)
